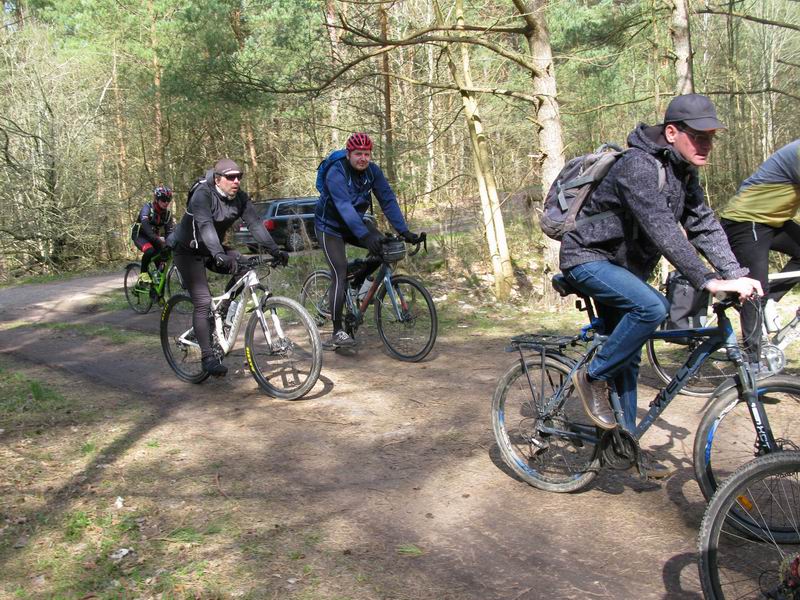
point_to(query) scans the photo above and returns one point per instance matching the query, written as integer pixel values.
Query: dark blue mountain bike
(546, 438)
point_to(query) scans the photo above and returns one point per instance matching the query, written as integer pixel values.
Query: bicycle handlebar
(423, 241)
(251, 262)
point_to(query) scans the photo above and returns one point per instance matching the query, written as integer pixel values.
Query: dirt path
(391, 466)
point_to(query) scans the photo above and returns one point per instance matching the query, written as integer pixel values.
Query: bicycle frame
(251, 292)
(714, 338)
(383, 277)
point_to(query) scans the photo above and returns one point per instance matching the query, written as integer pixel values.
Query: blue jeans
(631, 310)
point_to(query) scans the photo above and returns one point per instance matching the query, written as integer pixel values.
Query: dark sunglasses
(232, 176)
(697, 137)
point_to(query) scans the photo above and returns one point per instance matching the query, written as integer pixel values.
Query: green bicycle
(142, 294)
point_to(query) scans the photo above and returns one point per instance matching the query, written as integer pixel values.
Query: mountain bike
(281, 342)
(547, 439)
(667, 355)
(749, 542)
(405, 315)
(141, 295)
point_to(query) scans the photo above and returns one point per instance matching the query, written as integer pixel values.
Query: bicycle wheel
(314, 296)
(286, 363)
(757, 565)
(174, 284)
(410, 331)
(667, 357)
(549, 461)
(137, 293)
(178, 341)
(726, 437)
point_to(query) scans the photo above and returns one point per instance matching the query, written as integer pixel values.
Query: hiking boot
(213, 366)
(594, 396)
(339, 339)
(653, 469)
(145, 278)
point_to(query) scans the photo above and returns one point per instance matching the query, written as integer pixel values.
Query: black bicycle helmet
(162, 193)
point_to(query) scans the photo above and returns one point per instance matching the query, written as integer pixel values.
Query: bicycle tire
(288, 367)
(731, 565)
(667, 357)
(174, 284)
(726, 436)
(185, 359)
(138, 297)
(550, 462)
(418, 315)
(314, 296)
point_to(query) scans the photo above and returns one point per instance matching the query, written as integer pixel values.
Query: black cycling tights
(149, 254)
(193, 272)
(333, 247)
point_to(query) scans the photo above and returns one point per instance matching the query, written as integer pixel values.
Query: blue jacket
(346, 197)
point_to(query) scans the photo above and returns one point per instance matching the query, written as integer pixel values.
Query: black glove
(410, 238)
(226, 263)
(373, 242)
(281, 258)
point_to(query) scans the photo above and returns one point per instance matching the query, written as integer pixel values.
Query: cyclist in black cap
(654, 206)
(215, 205)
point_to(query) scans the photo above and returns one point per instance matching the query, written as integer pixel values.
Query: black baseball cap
(696, 110)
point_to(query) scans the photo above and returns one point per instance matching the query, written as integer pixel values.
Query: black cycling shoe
(214, 367)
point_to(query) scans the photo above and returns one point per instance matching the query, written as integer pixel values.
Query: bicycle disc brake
(619, 449)
(774, 357)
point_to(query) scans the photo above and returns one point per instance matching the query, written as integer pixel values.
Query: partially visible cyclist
(215, 205)
(153, 224)
(760, 218)
(345, 197)
(611, 257)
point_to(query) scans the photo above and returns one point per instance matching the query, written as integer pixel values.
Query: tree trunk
(122, 151)
(547, 120)
(388, 158)
(487, 187)
(336, 97)
(157, 108)
(682, 46)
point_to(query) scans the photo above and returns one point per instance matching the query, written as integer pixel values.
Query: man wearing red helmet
(153, 224)
(345, 197)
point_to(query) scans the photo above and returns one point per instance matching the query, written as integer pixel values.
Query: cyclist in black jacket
(215, 204)
(153, 225)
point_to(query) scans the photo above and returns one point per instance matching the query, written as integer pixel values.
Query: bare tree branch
(711, 11)
(424, 36)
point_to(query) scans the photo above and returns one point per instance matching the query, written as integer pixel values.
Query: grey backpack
(573, 186)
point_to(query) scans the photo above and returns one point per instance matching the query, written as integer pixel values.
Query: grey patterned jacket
(674, 222)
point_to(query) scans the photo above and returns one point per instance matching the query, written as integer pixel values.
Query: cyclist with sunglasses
(760, 218)
(649, 204)
(215, 205)
(153, 224)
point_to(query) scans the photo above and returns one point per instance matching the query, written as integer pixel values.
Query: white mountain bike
(282, 344)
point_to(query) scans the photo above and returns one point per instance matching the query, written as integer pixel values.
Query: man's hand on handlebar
(226, 262)
(745, 287)
(411, 238)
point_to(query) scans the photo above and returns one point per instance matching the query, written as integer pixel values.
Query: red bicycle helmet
(162, 193)
(359, 141)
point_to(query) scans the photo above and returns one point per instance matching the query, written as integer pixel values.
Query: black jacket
(208, 217)
(651, 222)
(150, 223)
